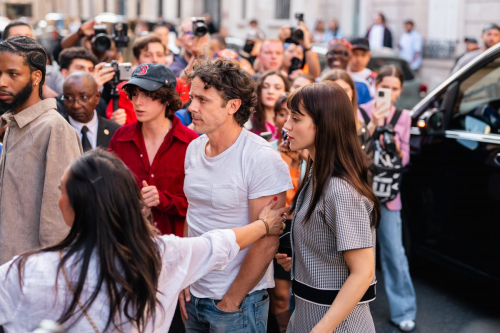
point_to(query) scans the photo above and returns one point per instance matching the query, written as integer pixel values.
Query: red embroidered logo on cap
(144, 70)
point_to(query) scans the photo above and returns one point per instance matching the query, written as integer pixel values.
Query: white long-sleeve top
(184, 261)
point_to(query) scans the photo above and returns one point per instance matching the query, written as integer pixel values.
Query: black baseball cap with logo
(152, 77)
(360, 43)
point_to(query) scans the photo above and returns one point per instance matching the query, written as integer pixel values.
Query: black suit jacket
(105, 130)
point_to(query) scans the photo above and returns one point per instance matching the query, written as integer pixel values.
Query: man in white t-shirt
(231, 174)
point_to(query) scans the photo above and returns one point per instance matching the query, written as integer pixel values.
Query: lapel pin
(106, 132)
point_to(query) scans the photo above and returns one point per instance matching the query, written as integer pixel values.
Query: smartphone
(125, 69)
(383, 95)
(266, 135)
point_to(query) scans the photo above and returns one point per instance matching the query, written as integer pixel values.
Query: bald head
(80, 96)
(82, 78)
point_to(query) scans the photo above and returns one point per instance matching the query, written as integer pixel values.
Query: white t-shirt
(376, 36)
(218, 190)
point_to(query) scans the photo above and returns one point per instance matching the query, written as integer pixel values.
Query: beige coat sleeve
(63, 148)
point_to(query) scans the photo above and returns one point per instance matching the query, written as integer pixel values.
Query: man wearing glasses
(80, 98)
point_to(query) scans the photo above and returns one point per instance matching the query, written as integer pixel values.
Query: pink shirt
(402, 130)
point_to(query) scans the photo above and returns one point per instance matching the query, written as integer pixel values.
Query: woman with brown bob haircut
(335, 216)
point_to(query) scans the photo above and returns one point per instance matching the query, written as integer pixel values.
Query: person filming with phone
(390, 128)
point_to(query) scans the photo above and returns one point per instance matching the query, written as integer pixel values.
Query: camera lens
(102, 43)
(380, 94)
(201, 30)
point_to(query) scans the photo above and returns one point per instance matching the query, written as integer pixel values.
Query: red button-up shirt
(166, 172)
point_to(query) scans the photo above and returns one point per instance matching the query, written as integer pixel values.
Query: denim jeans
(204, 316)
(397, 280)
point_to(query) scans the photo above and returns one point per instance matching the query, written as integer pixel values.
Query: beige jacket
(39, 145)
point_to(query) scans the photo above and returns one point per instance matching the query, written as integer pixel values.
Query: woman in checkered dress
(335, 216)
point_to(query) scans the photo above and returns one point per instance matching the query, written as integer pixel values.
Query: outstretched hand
(274, 217)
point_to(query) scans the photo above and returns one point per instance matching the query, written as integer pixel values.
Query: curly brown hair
(164, 94)
(230, 81)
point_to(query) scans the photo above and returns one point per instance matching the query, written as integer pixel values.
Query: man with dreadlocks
(38, 146)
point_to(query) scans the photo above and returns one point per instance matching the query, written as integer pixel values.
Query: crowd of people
(212, 190)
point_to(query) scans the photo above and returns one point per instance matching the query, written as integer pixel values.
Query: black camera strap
(365, 116)
(396, 116)
(394, 119)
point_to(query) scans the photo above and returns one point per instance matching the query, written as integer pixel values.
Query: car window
(376, 63)
(479, 98)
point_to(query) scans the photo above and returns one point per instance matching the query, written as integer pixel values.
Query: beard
(19, 99)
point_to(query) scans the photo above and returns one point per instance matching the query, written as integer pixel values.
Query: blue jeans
(204, 316)
(397, 280)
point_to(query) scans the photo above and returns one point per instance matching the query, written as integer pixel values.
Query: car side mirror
(431, 121)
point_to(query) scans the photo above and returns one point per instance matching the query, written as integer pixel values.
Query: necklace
(148, 145)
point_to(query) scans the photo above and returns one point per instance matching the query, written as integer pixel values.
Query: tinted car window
(376, 63)
(479, 100)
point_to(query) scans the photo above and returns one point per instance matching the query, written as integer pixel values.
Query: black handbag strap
(365, 116)
(396, 116)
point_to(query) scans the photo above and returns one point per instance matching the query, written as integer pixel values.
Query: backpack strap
(395, 117)
(365, 116)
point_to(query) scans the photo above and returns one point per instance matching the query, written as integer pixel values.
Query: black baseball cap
(152, 77)
(491, 26)
(470, 39)
(360, 43)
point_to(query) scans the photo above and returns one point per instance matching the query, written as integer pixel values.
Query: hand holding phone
(382, 108)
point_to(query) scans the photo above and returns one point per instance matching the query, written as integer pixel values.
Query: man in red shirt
(155, 146)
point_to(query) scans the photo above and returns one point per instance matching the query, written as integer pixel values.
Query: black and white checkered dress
(317, 251)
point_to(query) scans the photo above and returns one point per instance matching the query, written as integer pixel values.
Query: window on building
(18, 10)
(282, 9)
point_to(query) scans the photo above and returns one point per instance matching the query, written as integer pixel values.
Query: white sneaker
(407, 325)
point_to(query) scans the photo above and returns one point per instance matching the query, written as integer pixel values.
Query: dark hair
(410, 22)
(254, 21)
(338, 152)
(220, 39)
(108, 222)
(491, 26)
(382, 16)
(165, 95)
(231, 82)
(67, 56)
(33, 53)
(340, 74)
(12, 24)
(279, 103)
(390, 70)
(259, 118)
(143, 42)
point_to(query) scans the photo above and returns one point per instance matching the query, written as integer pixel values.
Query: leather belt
(326, 296)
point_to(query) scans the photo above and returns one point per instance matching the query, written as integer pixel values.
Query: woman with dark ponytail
(113, 273)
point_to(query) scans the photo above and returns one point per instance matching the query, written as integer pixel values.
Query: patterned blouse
(318, 245)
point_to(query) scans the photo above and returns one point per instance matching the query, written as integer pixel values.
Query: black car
(451, 188)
